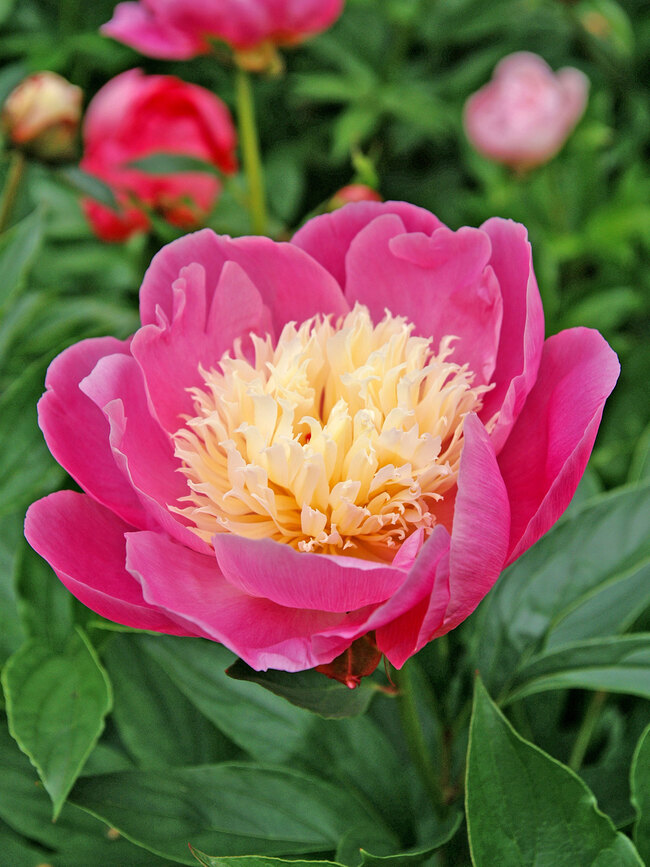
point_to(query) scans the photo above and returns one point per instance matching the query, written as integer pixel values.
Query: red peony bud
(359, 660)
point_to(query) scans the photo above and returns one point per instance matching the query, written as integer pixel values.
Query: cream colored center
(340, 439)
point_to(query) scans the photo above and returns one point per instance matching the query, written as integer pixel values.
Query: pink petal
(548, 449)
(142, 449)
(264, 634)
(76, 431)
(292, 285)
(522, 329)
(84, 544)
(170, 353)
(322, 582)
(327, 238)
(479, 539)
(442, 283)
(133, 24)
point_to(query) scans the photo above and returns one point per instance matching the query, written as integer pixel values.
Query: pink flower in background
(353, 193)
(525, 114)
(306, 443)
(137, 115)
(178, 29)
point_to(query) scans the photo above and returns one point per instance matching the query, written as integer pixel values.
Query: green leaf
(19, 247)
(12, 633)
(640, 785)
(158, 725)
(173, 164)
(235, 809)
(88, 185)
(56, 704)
(264, 725)
(415, 857)
(526, 808)
(46, 605)
(308, 689)
(254, 861)
(619, 664)
(603, 542)
(75, 839)
(19, 852)
(640, 464)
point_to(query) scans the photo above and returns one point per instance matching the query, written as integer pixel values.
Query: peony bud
(41, 116)
(353, 193)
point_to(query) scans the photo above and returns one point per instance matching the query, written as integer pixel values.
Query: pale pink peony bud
(41, 116)
(523, 116)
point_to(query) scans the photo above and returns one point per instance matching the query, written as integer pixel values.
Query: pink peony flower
(178, 29)
(137, 115)
(525, 114)
(307, 443)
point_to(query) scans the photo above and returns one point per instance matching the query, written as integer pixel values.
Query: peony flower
(525, 114)
(179, 29)
(41, 116)
(349, 435)
(137, 115)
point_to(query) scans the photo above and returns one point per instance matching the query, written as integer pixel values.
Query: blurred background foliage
(377, 99)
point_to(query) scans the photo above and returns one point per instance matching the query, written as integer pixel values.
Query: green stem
(415, 739)
(586, 731)
(14, 177)
(251, 152)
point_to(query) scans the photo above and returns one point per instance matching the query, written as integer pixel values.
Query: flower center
(340, 439)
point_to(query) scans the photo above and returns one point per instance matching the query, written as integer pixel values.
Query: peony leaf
(158, 725)
(415, 857)
(56, 704)
(88, 185)
(173, 164)
(619, 664)
(19, 247)
(254, 861)
(268, 728)
(640, 785)
(607, 541)
(12, 633)
(308, 689)
(524, 807)
(232, 808)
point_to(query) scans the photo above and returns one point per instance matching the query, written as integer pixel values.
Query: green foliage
(525, 808)
(640, 781)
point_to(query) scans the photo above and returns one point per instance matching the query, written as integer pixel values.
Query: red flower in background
(137, 115)
(178, 29)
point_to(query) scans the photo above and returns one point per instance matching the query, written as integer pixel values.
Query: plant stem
(415, 738)
(586, 731)
(251, 152)
(14, 177)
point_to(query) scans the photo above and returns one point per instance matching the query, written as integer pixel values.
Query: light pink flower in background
(353, 193)
(523, 116)
(137, 115)
(179, 29)
(306, 443)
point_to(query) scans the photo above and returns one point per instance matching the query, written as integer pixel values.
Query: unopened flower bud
(41, 116)
(353, 193)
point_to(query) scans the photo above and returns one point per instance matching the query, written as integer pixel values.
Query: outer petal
(479, 539)
(522, 329)
(292, 285)
(327, 238)
(549, 446)
(170, 353)
(268, 569)
(76, 431)
(264, 634)
(143, 450)
(442, 283)
(133, 24)
(84, 544)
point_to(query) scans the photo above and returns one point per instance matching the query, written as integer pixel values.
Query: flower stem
(415, 738)
(586, 731)
(14, 177)
(251, 152)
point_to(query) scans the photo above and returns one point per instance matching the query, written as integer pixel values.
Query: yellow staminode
(340, 439)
